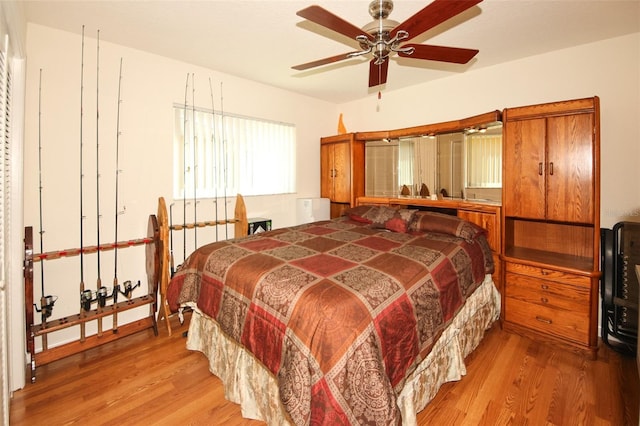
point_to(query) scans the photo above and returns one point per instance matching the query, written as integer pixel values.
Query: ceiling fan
(383, 37)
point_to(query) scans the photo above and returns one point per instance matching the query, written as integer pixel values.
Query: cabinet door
(341, 172)
(326, 171)
(523, 189)
(487, 221)
(570, 192)
(490, 222)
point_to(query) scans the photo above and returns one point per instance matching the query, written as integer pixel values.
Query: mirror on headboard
(461, 159)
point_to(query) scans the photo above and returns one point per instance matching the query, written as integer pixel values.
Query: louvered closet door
(524, 170)
(570, 192)
(5, 191)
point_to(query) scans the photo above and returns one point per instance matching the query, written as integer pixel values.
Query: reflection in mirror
(450, 168)
(465, 164)
(391, 165)
(421, 153)
(381, 168)
(483, 147)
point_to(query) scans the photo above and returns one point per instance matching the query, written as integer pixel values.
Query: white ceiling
(261, 39)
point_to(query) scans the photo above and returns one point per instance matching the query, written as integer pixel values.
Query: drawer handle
(544, 286)
(544, 300)
(544, 320)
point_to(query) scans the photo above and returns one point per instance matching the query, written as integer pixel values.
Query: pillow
(383, 217)
(360, 213)
(396, 220)
(446, 224)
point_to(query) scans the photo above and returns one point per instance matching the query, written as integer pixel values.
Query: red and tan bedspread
(338, 311)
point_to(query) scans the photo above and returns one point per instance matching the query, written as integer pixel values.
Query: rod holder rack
(86, 314)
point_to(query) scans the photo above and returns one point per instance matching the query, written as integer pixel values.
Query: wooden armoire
(341, 171)
(551, 222)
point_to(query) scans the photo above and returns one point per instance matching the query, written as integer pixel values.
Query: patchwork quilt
(339, 311)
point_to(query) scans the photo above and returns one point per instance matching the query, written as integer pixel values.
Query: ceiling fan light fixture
(382, 47)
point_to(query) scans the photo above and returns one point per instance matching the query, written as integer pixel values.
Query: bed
(354, 320)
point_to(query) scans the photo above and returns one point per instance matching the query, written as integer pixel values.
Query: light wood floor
(142, 379)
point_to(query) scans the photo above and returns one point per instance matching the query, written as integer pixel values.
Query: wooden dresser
(551, 222)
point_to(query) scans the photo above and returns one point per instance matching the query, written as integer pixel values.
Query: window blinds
(240, 155)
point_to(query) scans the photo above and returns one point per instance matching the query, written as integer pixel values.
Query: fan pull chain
(379, 73)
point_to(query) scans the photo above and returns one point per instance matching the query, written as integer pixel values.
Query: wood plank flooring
(142, 379)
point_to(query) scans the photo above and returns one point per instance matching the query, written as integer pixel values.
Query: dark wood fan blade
(378, 73)
(440, 53)
(324, 61)
(433, 14)
(328, 20)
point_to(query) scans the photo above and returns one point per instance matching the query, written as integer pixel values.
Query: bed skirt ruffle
(248, 383)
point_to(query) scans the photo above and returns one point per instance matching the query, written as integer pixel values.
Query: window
(231, 154)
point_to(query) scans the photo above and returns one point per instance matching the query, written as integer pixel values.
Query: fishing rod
(184, 175)
(224, 153)
(101, 291)
(195, 168)
(213, 150)
(128, 288)
(116, 286)
(85, 295)
(46, 302)
(173, 269)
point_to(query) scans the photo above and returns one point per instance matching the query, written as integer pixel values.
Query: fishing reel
(46, 306)
(87, 297)
(128, 290)
(101, 295)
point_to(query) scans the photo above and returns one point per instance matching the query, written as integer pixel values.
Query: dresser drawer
(565, 324)
(548, 274)
(548, 293)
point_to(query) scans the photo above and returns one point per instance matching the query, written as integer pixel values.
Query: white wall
(151, 85)
(609, 69)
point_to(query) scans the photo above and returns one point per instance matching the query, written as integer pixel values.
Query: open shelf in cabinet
(567, 246)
